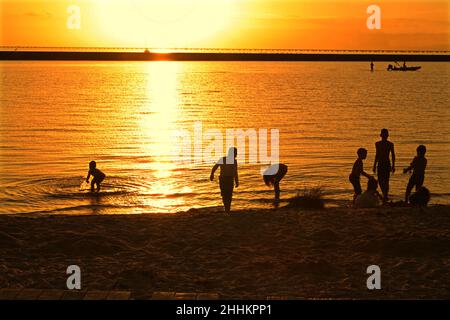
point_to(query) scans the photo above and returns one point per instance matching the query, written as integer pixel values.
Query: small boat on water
(403, 68)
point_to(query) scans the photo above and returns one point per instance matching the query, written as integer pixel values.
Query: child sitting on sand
(357, 171)
(420, 198)
(371, 197)
(97, 174)
(418, 166)
(228, 177)
(272, 177)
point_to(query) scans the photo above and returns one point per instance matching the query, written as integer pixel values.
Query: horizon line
(215, 50)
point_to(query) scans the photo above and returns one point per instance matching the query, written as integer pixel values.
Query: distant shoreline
(216, 56)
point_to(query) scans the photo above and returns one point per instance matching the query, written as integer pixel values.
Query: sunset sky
(270, 24)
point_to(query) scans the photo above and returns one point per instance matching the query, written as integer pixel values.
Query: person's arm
(363, 172)
(406, 170)
(393, 158)
(88, 176)
(214, 169)
(236, 176)
(368, 176)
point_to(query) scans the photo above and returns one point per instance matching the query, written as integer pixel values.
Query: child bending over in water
(272, 177)
(97, 174)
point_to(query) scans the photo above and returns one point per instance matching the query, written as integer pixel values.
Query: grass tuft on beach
(308, 199)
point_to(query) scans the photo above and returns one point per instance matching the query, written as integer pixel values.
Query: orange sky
(274, 24)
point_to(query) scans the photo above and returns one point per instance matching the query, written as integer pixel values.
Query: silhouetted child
(97, 174)
(420, 198)
(228, 177)
(371, 197)
(384, 149)
(357, 171)
(418, 166)
(272, 177)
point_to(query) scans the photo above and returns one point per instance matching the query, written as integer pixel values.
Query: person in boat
(273, 176)
(404, 65)
(228, 177)
(382, 164)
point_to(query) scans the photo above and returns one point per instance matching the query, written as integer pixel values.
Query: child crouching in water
(97, 174)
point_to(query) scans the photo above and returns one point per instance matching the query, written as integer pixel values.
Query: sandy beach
(249, 254)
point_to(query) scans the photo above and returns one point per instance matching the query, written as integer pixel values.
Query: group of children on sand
(229, 178)
(383, 167)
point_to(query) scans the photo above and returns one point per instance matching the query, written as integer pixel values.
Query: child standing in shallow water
(357, 171)
(97, 174)
(382, 165)
(418, 166)
(228, 177)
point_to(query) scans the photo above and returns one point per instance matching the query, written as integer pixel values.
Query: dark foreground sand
(250, 254)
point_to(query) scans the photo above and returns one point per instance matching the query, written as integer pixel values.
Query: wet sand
(250, 254)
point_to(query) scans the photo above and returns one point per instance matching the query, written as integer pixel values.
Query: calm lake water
(57, 116)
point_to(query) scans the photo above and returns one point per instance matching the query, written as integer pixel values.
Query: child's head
(362, 153)
(268, 180)
(92, 165)
(232, 153)
(421, 150)
(372, 184)
(384, 134)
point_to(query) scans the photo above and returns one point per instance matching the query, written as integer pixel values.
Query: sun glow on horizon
(230, 24)
(163, 24)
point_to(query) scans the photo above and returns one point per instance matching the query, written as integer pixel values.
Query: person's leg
(356, 183)
(387, 178)
(98, 182)
(276, 187)
(409, 187)
(93, 182)
(226, 186)
(419, 181)
(228, 198)
(358, 190)
(383, 180)
(223, 192)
